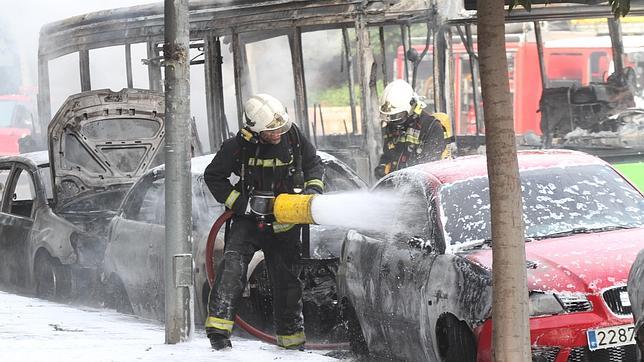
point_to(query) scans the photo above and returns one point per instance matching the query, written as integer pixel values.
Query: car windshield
(556, 201)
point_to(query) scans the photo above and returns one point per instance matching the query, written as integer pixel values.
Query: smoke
(24, 19)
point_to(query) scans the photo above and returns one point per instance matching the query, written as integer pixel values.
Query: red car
(422, 291)
(16, 122)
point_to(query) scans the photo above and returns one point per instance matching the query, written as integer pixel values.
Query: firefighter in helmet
(270, 156)
(410, 134)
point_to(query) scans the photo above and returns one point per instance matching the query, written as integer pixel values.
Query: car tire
(357, 341)
(455, 340)
(53, 279)
(117, 297)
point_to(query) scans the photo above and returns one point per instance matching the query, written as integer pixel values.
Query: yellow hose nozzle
(293, 209)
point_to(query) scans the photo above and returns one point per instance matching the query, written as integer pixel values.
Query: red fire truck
(568, 62)
(16, 122)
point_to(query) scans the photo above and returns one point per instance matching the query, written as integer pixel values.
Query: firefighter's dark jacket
(419, 139)
(266, 167)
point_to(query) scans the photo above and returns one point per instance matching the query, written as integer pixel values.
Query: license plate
(610, 337)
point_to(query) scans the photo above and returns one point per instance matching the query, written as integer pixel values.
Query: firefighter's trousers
(282, 255)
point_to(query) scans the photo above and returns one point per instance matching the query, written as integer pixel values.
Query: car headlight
(545, 304)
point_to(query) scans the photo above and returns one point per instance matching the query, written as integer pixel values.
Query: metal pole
(128, 65)
(322, 124)
(179, 314)
(302, 112)
(381, 35)
(220, 115)
(238, 71)
(214, 91)
(615, 31)
(448, 78)
(83, 60)
(154, 68)
(352, 97)
(439, 71)
(474, 67)
(44, 100)
(421, 56)
(372, 138)
(542, 64)
(403, 31)
(315, 125)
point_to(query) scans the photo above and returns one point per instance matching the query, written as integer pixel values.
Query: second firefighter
(410, 134)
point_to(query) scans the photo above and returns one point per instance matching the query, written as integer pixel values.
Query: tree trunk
(511, 332)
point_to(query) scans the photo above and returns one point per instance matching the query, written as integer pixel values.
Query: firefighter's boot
(219, 341)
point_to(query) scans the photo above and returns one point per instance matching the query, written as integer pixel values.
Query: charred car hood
(579, 263)
(102, 139)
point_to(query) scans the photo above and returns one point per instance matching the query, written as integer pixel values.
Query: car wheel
(53, 279)
(117, 298)
(455, 340)
(357, 341)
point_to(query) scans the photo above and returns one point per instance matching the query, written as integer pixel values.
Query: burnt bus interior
(255, 39)
(244, 47)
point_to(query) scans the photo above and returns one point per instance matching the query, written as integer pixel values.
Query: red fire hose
(210, 271)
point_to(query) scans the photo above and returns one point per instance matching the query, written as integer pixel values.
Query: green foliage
(338, 96)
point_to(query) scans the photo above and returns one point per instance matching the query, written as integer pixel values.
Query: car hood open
(103, 139)
(579, 263)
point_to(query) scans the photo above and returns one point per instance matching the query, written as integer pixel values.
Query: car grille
(575, 303)
(614, 354)
(612, 297)
(544, 354)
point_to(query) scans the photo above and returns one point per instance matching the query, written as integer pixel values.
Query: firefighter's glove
(312, 190)
(379, 171)
(313, 187)
(241, 206)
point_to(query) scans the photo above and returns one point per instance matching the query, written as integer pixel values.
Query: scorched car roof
(462, 168)
(39, 158)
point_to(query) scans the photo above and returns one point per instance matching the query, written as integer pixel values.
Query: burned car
(636, 298)
(56, 207)
(133, 265)
(423, 291)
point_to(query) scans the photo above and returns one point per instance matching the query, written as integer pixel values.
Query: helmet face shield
(396, 117)
(280, 125)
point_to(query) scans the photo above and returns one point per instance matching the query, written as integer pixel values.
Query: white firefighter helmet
(263, 112)
(398, 100)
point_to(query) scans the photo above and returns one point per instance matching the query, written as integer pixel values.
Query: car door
(136, 247)
(5, 222)
(406, 259)
(16, 218)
